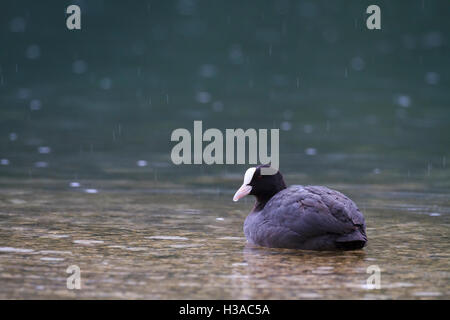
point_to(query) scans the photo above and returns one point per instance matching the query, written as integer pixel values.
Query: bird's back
(308, 217)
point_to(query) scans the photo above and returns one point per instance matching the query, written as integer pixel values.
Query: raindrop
(357, 63)
(4, 162)
(432, 78)
(286, 126)
(203, 97)
(75, 184)
(44, 150)
(432, 40)
(79, 67)
(141, 163)
(106, 83)
(24, 93)
(307, 128)
(17, 24)
(376, 171)
(403, 100)
(41, 164)
(311, 151)
(220, 219)
(236, 55)
(217, 106)
(13, 136)
(35, 104)
(91, 191)
(208, 71)
(33, 52)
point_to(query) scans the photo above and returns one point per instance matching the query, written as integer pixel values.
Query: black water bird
(302, 217)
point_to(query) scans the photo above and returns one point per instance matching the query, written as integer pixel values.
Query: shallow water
(168, 241)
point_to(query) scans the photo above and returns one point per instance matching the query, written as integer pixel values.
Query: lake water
(166, 239)
(86, 177)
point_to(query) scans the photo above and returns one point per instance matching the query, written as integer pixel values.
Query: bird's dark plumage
(303, 217)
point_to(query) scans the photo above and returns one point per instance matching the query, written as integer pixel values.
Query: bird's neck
(259, 205)
(262, 199)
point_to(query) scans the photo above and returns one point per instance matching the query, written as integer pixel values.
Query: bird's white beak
(242, 192)
(245, 188)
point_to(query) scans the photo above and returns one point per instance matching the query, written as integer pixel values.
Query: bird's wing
(313, 211)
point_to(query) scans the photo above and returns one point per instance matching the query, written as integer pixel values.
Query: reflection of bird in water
(301, 217)
(274, 273)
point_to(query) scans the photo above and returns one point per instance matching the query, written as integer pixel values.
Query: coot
(302, 217)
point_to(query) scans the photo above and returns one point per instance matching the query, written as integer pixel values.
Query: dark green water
(365, 112)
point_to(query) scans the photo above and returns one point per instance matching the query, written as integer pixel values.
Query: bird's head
(263, 187)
